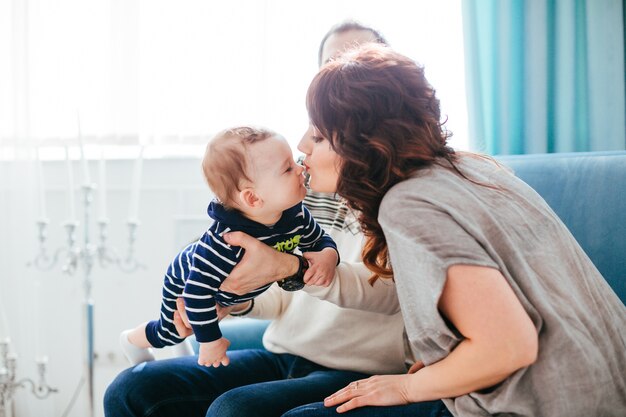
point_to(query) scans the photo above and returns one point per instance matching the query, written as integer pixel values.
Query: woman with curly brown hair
(508, 314)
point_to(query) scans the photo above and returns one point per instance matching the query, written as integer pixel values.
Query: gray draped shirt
(437, 219)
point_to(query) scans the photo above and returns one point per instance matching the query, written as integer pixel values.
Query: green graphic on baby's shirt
(288, 245)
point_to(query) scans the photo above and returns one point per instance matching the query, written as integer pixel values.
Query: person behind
(259, 190)
(344, 36)
(329, 209)
(508, 313)
(312, 347)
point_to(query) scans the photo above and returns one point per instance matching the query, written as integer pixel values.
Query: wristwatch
(296, 281)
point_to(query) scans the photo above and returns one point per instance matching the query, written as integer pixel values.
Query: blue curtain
(545, 75)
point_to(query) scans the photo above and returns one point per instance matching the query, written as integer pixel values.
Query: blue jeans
(256, 383)
(425, 409)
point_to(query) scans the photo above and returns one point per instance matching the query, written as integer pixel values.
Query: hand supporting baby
(211, 353)
(322, 266)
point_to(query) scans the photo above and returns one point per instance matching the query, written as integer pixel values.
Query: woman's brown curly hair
(382, 118)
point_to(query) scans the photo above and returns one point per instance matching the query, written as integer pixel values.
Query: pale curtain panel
(164, 72)
(545, 75)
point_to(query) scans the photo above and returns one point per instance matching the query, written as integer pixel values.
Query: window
(170, 73)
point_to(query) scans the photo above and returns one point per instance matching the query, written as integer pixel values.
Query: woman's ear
(249, 199)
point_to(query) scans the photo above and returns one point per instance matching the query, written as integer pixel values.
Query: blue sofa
(586, 190)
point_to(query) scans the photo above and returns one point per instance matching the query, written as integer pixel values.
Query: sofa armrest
(243, 333)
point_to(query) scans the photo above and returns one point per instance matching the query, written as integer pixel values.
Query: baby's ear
(249, 199)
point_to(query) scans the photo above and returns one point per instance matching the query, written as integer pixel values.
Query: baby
(259, 190)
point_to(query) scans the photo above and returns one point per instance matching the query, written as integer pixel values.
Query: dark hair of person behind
(382, 117)
(347, 26)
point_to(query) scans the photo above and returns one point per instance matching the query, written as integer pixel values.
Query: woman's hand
(380, 390)
(260, 265)
(415, 367)
(181, 322)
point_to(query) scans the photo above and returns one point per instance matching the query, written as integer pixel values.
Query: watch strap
(296, 281)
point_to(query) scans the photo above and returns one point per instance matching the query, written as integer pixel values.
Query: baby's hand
(214, 353)
(321, 267)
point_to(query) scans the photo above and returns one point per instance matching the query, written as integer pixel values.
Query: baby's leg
(135, 345)
(164, 331)
(137, 336)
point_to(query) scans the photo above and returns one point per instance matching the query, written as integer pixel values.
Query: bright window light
(169, 74)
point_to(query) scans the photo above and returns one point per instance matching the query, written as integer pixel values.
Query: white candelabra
(9, 382)
(74, 257)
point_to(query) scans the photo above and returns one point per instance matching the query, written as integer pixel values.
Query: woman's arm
(499, 339)
(259, 266)
(271, 304)
(350, 288)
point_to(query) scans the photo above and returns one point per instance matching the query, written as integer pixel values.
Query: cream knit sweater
(307, 325)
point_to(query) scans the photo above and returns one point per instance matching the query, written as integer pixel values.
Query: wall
(45, 308)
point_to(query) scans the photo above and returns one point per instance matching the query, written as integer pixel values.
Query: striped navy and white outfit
(332, 213)
(197, 272)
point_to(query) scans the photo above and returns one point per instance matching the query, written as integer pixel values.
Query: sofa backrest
(588, 192)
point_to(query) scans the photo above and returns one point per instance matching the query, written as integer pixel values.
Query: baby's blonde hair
(225, 163)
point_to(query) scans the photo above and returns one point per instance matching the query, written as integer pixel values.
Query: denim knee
(229, 404)
(311, 410)
(116, 397)
(131, 393)
(424, 409)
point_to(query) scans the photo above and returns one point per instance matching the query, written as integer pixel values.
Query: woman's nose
(304, 145)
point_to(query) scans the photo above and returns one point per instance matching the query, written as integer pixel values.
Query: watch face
(291, 284)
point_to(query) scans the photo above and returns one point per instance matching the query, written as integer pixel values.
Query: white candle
(83, 160)
(133, 213)
(70, 185)
(102, 186)
(41, 188)
(37, 325)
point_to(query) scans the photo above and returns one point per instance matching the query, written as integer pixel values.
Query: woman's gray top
(437, 219)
